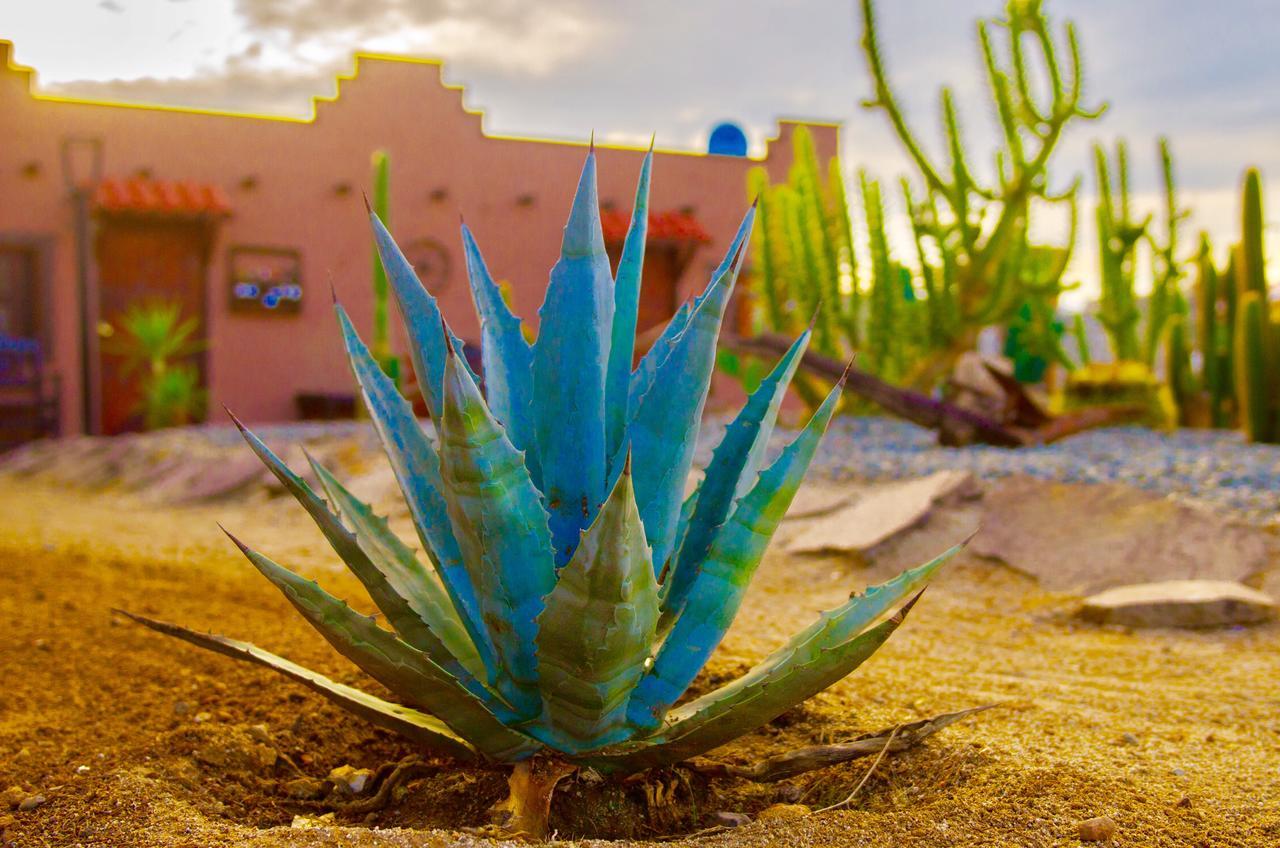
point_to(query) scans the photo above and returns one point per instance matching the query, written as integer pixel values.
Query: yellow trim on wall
(357, 57)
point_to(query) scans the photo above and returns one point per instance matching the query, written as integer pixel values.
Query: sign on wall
(265, 280)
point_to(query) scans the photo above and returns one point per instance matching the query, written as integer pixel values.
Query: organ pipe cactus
(977, 227)
(569, 593)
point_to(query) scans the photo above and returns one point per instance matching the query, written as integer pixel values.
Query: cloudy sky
(1206, 74)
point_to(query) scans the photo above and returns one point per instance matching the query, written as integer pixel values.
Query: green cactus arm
(818, 656)
(417, 469)
(570, 365)
(821, 251)
(802, 291)
(766, 249)
(418, 727)
(665, 420)
(461, 703)
(626, 296)
(842, 238)
(408, 577)
(502, 529)
(1252, 268)
(381, 207)
(505, 354)
(1253, 390)
(393, 604)
(721, 582)
(729, 476)
(885, 98)
(597, 630)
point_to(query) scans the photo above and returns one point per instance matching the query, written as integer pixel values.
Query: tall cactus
(1118, 238)
(983, 222)
(1253, 391)
(1255, 367)
(381, 345)
(1166, 298)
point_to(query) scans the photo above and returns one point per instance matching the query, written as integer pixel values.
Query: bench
(29, 393)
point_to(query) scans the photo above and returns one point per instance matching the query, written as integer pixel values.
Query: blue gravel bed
(1216, 466)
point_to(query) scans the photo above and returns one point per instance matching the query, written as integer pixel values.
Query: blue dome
(727, 139)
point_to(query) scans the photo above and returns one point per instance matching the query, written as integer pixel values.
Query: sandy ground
(137, 740)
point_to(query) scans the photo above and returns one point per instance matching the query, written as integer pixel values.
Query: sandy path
(1202, 765)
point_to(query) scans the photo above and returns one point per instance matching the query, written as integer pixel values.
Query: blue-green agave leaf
(626, 306)
(420, 587)
(570, 360)
(400, 667)
(732, 471)
(597, 630)
(417, 468)
(505, 354)
(721, 582)
(502, 530)
(664, 424)
(419, 728)
(687, 737)
(646, 372)
(400, 614)
(421, 315)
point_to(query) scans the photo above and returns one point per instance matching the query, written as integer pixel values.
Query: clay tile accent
(663, 226)
(139, 196)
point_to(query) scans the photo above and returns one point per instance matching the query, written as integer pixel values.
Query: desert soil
(137, 740)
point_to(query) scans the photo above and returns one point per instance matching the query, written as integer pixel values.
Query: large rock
(880, 514)
(1180, 603)
(1086, 538)
(820, 498)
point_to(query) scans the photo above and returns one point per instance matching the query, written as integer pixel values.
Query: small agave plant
(570, 593)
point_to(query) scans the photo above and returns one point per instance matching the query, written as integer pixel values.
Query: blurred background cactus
(381, 203)
(974, 264)
(1190, 342)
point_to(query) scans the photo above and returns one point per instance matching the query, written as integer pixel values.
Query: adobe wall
(442, 164)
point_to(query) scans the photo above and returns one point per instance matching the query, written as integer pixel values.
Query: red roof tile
(663, 226)
(160, 197)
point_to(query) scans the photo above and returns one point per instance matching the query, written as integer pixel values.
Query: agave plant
(570, 592)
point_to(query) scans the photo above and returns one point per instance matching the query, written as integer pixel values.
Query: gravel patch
(1214, 466)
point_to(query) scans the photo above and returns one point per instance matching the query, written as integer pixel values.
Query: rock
(1086, 538)
(352, 781)
(237, 750)
(82, 770)
(784, 812)
(310, 822)
(30, 803)
(814, 499)
(727, 819)
(181, 708)
(881, 513)
(305, 788)
(788, 793)
(1130, 739)
(260, 733)
(971, 387)
(1100, 829)
(1179, 603)
(12, 796)
(201, 718)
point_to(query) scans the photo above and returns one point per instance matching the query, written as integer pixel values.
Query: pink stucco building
(246, 221)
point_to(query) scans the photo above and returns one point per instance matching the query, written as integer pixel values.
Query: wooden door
(141, 262)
